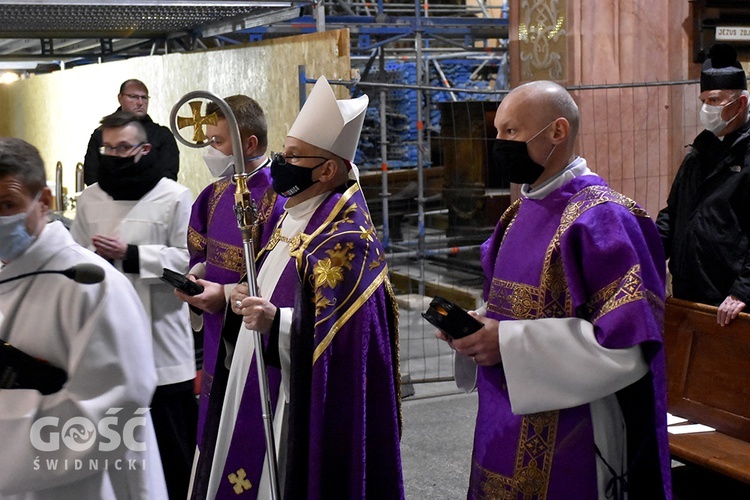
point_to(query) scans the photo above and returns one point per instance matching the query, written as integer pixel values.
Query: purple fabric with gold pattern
(214, 238)
(344, 409)
(345, 398)
(583, 251)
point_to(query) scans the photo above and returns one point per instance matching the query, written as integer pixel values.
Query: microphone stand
(245, 211)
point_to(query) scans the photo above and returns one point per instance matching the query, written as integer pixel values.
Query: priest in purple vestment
(327, 310)
(569, 363)
(214, 240)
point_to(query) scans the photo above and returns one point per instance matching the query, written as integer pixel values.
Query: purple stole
(248, 447)
(583, 251)
(214, 238)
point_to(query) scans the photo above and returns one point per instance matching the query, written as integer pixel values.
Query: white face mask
(711, 119)
(219, 164)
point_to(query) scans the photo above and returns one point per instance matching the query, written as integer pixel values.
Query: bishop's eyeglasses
(282, 159)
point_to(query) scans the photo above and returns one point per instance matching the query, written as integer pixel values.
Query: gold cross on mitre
(197, 122)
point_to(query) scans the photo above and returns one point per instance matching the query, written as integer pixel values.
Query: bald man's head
(544, 116)
(547, 101)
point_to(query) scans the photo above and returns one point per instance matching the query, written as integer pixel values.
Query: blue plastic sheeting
(401, 107)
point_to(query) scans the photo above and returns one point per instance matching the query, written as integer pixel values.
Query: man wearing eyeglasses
(329, 316)
(134, 98)
(137, 220)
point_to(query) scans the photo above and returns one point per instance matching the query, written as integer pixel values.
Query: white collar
(307, 206)
(576, 168)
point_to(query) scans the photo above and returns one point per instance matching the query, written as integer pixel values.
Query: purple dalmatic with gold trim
(583, 251)
(215, 239)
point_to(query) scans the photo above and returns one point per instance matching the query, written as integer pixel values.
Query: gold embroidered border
(320, 349)
(196, 241)
(551, 299)
(226, 256)
(354, 287)
(592, 196)
(624, 290)
(509, 216)
(219, 188)
(531, 472)
(396, 354)
(519, 300)
(334, 213)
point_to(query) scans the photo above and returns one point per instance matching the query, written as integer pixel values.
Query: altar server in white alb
(138, 220)
(83, 360)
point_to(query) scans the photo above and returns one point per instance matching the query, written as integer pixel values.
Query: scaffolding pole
(384, 154)
(436, 251)
(420, 155)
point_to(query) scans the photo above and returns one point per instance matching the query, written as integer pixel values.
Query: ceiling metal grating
(118, 19)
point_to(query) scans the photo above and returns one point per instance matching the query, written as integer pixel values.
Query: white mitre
(328, 123)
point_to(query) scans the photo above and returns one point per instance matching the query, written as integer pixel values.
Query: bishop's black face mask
(289, 179)
(513, 160)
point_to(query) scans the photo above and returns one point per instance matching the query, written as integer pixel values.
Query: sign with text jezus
(733, 33)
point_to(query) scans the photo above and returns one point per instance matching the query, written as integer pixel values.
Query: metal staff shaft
(244, 210)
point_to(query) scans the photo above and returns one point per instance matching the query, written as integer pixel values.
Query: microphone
(85, 273)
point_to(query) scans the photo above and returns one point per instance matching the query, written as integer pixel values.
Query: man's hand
(257, 314)
(482, 346)
(235, 298)
(729, 309)
(109, 247)
(211, 300)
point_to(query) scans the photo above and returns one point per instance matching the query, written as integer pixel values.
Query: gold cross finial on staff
(197, 122)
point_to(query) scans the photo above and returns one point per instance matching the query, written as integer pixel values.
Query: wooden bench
(708, 374)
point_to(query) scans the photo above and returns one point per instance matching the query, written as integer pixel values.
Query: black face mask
(513, 160)
(289, 179)
(117, 164)
(124, 179)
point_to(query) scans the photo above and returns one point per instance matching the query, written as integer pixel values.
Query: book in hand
(18, 370)
(450, 318)
(181, 282)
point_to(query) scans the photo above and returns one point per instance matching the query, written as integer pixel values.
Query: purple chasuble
(583, 251)
(345, 409)
(214, 238)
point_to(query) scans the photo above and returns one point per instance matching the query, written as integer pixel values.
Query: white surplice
(157, 224)
(99, 335)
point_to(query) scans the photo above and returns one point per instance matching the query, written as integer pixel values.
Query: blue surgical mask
(14, 238)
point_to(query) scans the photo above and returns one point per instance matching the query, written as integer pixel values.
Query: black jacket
(163, 145)
(705, 227)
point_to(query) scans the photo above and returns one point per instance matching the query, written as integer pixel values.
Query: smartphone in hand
(181, 282)
(450, 318)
